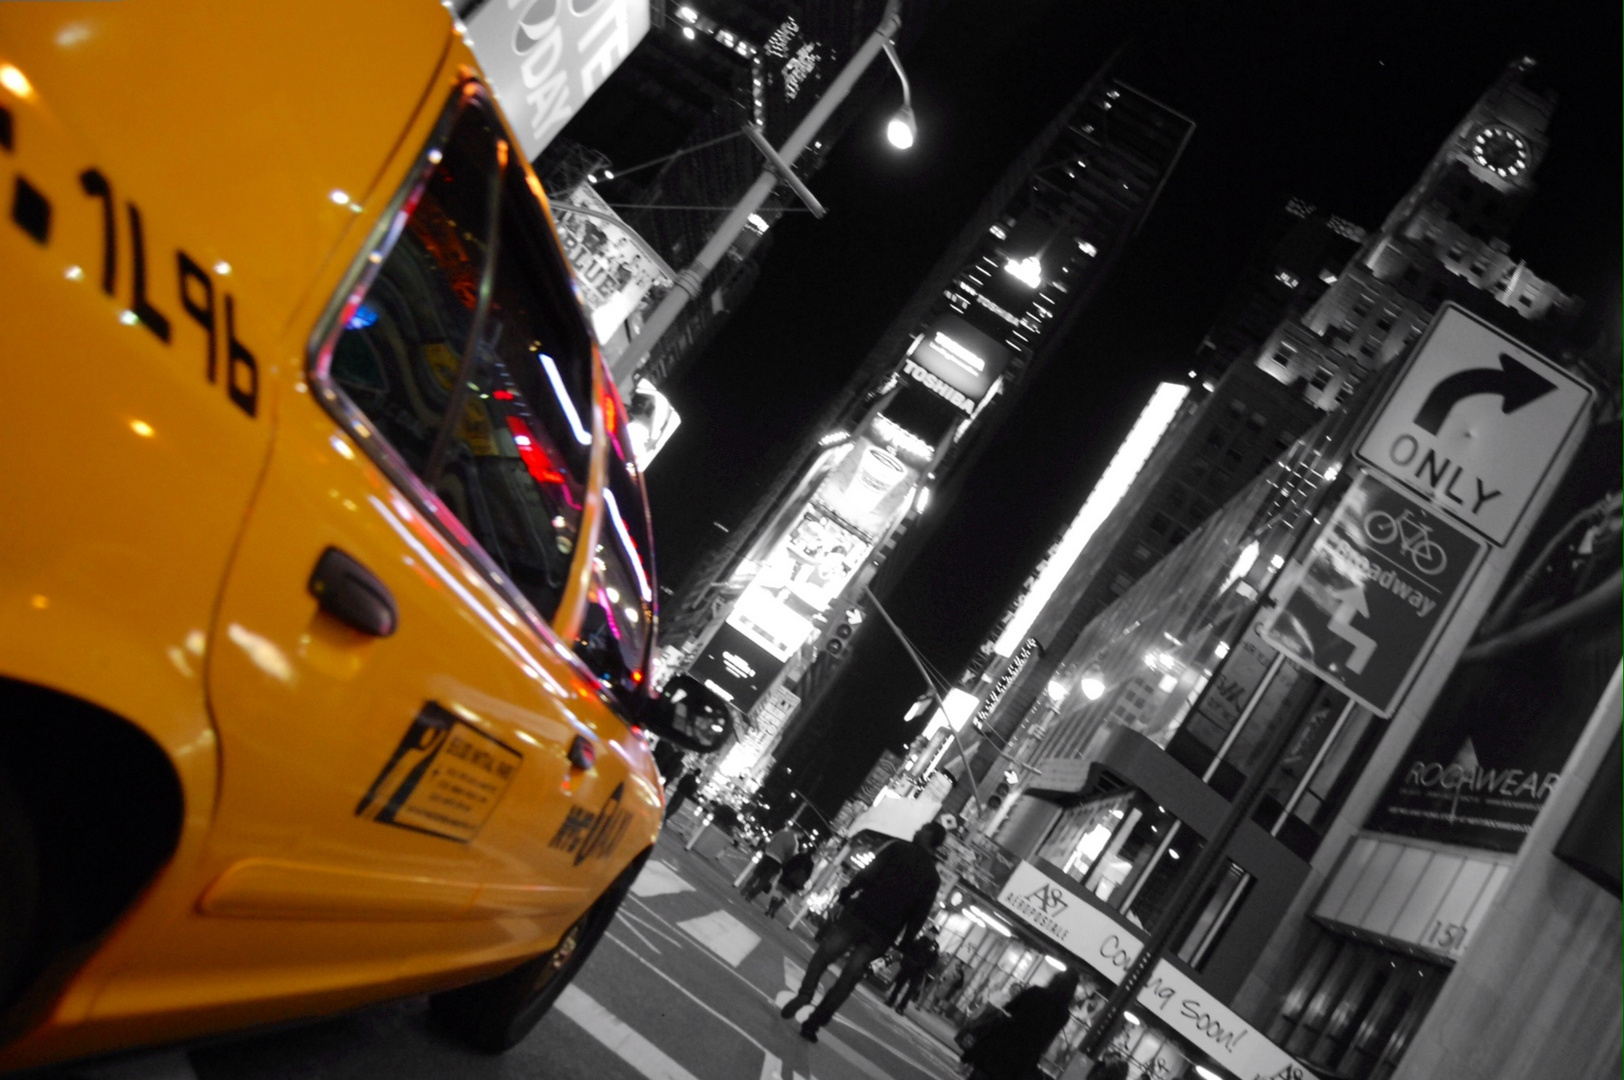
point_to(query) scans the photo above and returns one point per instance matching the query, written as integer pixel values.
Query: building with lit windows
(1424, 875)
(1337, 321)
(771, 617)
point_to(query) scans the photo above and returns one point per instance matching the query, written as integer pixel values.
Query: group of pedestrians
(886, 904)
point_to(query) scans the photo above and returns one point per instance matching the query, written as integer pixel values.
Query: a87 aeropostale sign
(1475, 423)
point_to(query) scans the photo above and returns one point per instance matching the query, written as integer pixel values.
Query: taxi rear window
(488, 405)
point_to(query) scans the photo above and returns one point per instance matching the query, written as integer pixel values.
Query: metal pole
(934, 693)
(692, 277)
(1208, 865)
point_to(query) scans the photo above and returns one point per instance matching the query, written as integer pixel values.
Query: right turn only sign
(1475, 423)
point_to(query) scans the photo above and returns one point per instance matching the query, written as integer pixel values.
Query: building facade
(1389, 720)
(773, 614)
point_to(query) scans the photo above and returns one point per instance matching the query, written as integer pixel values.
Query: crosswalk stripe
(659, 878)
(690, 994)
(618, 1037)
(723, 935)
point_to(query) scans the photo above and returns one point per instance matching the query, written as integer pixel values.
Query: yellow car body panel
(177, 482)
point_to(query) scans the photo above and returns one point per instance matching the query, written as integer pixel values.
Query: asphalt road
(686, 986)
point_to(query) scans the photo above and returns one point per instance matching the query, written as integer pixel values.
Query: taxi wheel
(494, 1015)
(19, 886)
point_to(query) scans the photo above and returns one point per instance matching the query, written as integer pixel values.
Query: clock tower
(1482, 175)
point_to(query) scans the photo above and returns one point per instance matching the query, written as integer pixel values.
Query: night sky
(1341, 105)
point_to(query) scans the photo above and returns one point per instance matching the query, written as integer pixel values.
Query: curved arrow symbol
(1516, 383)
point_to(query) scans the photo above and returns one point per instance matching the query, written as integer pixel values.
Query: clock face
(1500, 150)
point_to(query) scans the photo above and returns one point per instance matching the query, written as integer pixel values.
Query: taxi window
(490, 411)
(618, 629)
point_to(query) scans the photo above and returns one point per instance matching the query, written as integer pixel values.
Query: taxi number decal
(31, 211)
(444, 778)
(587, 834)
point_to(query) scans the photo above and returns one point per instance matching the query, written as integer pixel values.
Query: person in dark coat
(891, 895)
(1010, 1050)
(791, 880)
(687, 787)
(917, 962)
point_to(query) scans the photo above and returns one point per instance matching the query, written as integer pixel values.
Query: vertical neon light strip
(1113, 484)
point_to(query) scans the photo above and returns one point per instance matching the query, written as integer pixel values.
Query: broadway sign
(1049, 904)
(1373, 593)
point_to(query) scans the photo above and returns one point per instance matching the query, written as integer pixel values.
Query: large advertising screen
(961, 356)
(799, 581)
(1493, 748)
(736, 667)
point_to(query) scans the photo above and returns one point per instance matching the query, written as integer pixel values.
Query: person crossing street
(777, 851)
(891, 896)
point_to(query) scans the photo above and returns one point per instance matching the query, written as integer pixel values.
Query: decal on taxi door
(444, 778)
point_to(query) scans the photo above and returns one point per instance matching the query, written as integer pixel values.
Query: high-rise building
(1424, 877)
(776, 611)
(1336, 321)
(1444, 241)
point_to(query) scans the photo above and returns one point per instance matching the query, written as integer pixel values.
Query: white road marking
(648, 924)
(168, 1065)
(771, 1068)
(723, 935)
(793, 974)
(659, 878)
(867, 1067)
(692, 997)
(626, 925)
(620, 1039)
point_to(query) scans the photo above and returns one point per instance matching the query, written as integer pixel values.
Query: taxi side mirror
(690, 714)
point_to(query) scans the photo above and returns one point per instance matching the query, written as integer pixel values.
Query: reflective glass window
(491, 410)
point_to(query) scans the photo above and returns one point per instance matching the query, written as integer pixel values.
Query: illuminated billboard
(799, 581)
(544, 58)
(735, 667)
(807, 565)
(956, 356)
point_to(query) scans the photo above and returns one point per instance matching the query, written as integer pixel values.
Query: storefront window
(1355, 1007)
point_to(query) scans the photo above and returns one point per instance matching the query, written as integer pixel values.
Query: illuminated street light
(1092, 685)
(902, 131)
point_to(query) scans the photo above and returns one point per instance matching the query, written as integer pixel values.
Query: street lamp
(691, 279)
(902, 131)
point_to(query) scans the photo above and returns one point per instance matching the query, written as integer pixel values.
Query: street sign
(1475, 423)
(1381, 579)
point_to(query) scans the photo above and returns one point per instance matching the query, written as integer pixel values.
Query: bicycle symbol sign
(1372, 593)
(1414, 539)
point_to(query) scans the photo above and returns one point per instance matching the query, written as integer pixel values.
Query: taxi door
(403, 738)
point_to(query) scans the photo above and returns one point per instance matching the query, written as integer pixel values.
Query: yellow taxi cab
(327, 600)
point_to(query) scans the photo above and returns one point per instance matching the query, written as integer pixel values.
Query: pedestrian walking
(948, 986)
(1010, 1048)
(1114, 1067)
(890, 896)
(917, 960)
(687, 787)
(774, 854)
(791, 879)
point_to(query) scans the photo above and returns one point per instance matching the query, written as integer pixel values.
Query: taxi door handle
(353, 595)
